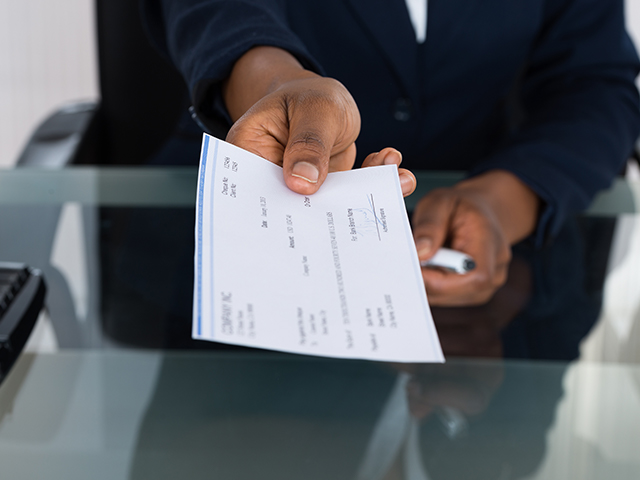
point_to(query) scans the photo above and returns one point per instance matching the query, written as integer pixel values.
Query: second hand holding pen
(452, 260)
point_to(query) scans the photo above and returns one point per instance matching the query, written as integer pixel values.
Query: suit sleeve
(204, 38)
(581, 109)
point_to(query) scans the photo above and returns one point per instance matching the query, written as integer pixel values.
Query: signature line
(373, 206)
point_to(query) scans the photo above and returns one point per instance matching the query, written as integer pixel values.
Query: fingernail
(306, 171)
(424, 246)
(406, 183)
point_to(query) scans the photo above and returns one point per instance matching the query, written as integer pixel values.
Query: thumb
(306, 157)
(431, 221)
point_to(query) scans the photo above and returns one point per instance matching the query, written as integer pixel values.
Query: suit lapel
(388, 24)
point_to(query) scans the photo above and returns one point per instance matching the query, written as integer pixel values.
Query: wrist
(513, 203)
(259, 72)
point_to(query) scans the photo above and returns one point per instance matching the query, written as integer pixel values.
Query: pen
(452, 260)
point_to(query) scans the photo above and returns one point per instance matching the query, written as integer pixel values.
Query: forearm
(515, 205)
(260, 71)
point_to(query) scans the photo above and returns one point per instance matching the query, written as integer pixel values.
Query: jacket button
(402, 110)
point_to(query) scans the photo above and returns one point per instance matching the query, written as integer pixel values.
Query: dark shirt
(542, 88)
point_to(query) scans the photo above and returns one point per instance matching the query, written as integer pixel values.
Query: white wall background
(47, 57)
(633, 19)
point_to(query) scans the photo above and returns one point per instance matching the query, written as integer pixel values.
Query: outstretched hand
(303, 122)
(308, 126)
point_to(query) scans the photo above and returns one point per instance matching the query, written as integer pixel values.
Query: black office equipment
(22, 292)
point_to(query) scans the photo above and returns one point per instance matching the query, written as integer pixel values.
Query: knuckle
(481, 298)
(482, 279)
(315, 98)
(500, 278)
(308, 141)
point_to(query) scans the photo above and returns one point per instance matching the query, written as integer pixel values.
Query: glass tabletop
(176, 186)
(542, 382)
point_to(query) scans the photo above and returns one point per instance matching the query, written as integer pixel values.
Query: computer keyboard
(22, 292)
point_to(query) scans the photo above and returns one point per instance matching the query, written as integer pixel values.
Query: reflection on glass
(272, 416)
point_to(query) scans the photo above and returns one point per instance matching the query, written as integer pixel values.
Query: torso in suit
(542, 88)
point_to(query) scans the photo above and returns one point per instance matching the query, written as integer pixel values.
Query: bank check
(333, 274)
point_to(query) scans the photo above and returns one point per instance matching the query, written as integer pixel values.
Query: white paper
(333, 274)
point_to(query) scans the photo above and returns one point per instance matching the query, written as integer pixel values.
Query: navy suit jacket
(542, 88)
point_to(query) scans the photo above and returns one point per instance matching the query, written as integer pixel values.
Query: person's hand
(468, 332)
(481, 217)
(306, 123)
(391, 156)
(476, 331)
(308, 126)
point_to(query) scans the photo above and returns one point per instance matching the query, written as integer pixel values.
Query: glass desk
(543, 382)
